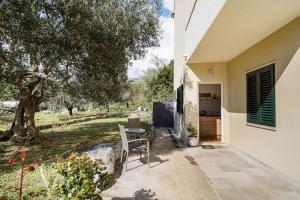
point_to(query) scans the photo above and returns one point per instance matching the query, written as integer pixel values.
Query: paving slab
(234, 175)
(172, 176)
(196, 173)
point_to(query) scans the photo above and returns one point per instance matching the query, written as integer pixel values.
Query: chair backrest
(124, 138)
(134, 123)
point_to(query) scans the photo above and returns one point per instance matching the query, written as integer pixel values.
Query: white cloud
(165, 50)
(169, 4)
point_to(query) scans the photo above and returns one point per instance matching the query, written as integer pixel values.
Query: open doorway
(210, 103)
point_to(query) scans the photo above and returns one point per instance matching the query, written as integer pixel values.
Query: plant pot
(193, 141)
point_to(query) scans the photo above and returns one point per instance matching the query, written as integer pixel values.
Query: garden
(65, 88)
(56, 142)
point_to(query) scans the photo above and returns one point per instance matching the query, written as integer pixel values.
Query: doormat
(207, 146)
(220, 147)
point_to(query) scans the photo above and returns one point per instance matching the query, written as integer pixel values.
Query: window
(261, 96)
(179, 105)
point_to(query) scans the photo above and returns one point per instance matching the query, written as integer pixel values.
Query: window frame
(258, 122)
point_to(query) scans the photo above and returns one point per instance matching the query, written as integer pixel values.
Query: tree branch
(35, 74)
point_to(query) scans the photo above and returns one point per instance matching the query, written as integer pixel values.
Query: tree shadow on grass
(76, 137)
(81, 136)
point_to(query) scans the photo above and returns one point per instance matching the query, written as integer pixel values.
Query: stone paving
(196, 173)
(235, 175)
(172, 176)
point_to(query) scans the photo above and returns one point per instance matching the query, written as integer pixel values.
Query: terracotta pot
(192, 141)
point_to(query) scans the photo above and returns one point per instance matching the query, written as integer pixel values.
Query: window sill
(270, 128)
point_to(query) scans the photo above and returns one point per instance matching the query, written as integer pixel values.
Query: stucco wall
(179, 44)
(189, 5)
(179, 60)
(199, 73)
(280, 148)
(202, 18)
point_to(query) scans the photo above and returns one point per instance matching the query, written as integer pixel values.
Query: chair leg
(126, 159)
(140, 154)
(148, 151)
(122, 154)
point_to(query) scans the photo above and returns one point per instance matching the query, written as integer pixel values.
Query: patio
(197, 173)
(171, 176)
(234, 175)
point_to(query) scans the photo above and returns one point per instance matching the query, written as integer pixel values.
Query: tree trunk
(30, 106)
(24, 122)
(30, 109)
(107, 108)
(18, 127)
(70, 109)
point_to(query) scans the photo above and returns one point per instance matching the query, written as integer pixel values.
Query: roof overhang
(239, 25)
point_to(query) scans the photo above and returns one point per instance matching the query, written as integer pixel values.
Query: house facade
(237, 76)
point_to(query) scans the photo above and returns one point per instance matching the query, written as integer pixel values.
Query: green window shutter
(252, 104)
(261, 96)
(179, 106)
(267, 96)
(178, 101)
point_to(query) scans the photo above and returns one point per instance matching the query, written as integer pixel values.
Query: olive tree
(46, 42)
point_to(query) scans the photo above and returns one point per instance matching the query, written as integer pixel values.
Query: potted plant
(193, 136)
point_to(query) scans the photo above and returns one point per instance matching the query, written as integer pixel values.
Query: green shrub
(80, 178)
(192, 130)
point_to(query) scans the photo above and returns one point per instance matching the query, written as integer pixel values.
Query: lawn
(42, 119)
(45, 118)
(76, 136)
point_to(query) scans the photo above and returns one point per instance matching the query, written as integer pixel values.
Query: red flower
(11, 162)
(23, 153)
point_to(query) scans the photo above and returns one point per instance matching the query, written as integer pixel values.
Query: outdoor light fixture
(210, 71)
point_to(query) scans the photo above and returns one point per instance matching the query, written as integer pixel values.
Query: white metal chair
(133, 145)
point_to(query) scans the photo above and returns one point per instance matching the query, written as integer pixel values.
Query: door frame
(222, 105)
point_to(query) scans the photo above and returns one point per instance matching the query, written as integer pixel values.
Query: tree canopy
(161, 84)
(47, 43)
(155, 85)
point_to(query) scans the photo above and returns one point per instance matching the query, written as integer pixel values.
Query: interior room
(210, 112)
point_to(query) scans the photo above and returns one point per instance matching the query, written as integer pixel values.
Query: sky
(166, 48)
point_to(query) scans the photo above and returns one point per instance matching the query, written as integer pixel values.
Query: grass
(76, 136)
(5, 121)
(42, 119)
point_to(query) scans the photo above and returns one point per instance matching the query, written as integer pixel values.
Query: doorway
(210, 112)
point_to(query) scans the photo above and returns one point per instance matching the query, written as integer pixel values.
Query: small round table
(135, 132)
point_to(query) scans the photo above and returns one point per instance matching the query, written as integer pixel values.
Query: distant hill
(134, 80)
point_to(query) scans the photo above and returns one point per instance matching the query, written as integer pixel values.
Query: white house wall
(179, 59)
(280, 148)
(278, 42)
(199, 73)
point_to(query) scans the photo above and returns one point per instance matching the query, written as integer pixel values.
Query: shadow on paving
(139, 195)
(163, 145)
(171, 175)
